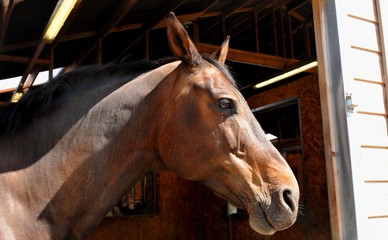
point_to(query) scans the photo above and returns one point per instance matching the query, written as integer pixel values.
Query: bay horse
(70, 149)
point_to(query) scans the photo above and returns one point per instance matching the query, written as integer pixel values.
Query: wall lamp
(58, 18)
(286, 74)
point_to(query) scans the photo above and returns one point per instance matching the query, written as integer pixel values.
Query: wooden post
(99, 51)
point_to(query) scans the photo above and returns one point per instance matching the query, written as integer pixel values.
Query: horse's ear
(181, 45)
(223, 51)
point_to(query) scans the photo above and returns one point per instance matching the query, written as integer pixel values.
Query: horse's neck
(82, 172)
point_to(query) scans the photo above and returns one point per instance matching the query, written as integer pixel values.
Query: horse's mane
(43, 99)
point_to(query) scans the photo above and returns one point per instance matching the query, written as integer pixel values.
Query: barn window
(139, 200)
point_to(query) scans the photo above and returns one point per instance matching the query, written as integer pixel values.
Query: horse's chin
(259, 222)
(257, 217)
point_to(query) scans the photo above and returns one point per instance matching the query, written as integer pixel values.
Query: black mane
(45, 98)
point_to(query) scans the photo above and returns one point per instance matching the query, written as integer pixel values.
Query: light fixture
(58, 18)
(286, 74)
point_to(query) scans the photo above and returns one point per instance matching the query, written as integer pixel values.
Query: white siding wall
(363, 61)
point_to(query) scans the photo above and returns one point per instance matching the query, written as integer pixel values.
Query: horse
(70, 149)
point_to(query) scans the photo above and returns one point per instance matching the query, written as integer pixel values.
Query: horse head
(209, 134)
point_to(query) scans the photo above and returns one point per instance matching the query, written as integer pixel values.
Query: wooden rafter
(68, 22)
(227, 12)
(234, 7)
(205, 6)
(161, 14)
(161, 24)
(156, 18)
(7, 9)
(119, 13)
(247, 57)
(256, 10)
(18, 59)
(31, 64)
(32, 71)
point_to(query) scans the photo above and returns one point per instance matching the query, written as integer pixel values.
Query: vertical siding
(368, 87)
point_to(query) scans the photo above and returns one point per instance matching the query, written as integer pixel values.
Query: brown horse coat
(70, 150)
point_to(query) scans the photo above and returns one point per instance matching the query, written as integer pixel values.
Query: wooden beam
(18, 59)
(234, 6)
(247, 57)
(155, 19)
(256, 30)
(118, 14)
(8, 6)
(31, 64)
(162, 13)
(17, 46)
(182, 18)
(68, 22)
(205, 6)
(128, 27)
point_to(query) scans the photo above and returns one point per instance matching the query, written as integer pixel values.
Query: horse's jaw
(259, 222)
(264, 221)
(270, 205)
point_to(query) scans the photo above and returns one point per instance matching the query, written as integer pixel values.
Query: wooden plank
(18, 59)
(382, 16)
(373, 81)
(8, 6)
(362, 18)
(259, 59)
(234, 6)
(161, 13)
(68, 22)
(182, 18)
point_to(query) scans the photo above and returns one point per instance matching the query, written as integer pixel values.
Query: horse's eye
(225, 104)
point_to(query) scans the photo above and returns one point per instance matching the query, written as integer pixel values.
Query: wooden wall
(187, 210)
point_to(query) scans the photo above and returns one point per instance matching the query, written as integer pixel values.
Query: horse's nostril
(288, 200)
